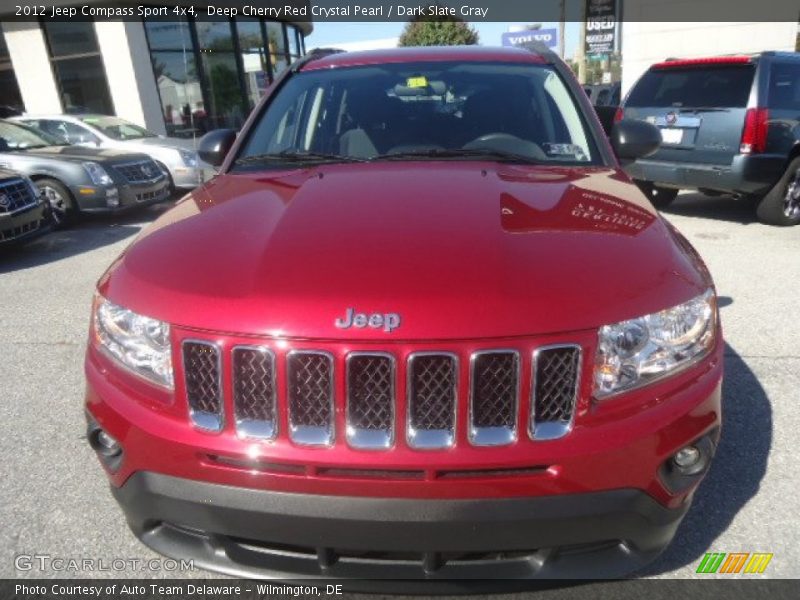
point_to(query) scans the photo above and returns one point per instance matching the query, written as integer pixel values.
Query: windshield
(118, 129)
(19, 137)
(434, 111)
(693, 87)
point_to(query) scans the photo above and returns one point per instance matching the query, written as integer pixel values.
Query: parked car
(24, 214)
(730, 124)
(79, 180)
(431, 330)
(177, 155)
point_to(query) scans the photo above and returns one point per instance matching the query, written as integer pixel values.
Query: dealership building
(180, 76)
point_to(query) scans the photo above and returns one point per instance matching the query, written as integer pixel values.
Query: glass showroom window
(294, 36)
(10, 99)
(221, 73)
(78, 66)
(255, 62)
(276, 40)
(172, 53)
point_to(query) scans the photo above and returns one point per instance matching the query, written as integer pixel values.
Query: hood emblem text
(386, 321)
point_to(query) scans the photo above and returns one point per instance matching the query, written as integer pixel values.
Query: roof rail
(315, 54)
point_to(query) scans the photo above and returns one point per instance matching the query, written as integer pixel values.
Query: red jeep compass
(420, 326)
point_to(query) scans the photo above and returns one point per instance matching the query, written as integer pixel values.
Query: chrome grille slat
(432, 399)
(254, 392)
(202, 373)
(310, 397)
(556, 379)
(494, 391)
(16, 195)
(370, 400)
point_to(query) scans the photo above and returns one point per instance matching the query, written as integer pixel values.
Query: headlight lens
(139, 343)
(36, 191)
(635, 352)
(189, 158)
(98, 174)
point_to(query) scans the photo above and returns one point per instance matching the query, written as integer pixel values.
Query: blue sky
(329, 34)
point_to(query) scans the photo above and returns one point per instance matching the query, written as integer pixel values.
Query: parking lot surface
(54, 498)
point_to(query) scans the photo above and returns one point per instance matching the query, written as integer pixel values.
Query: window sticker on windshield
(417, 82)
(571, 150)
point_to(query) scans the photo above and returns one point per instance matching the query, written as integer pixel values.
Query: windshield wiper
(474, 153)
(296, 156)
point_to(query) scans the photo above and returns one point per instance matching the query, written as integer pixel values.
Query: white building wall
(28, 50)
(131, 82)
(645, 43)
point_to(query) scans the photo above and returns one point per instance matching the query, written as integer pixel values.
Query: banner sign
(601, 26)
(548, 37)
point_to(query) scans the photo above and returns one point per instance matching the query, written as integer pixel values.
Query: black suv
(729, 124)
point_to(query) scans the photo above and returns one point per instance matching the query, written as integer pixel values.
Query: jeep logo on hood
(387, 321)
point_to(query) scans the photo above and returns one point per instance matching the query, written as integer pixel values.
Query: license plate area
(672, 135)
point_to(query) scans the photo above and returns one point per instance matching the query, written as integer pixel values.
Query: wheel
(781, 205)
(660, 197)
(62, 204)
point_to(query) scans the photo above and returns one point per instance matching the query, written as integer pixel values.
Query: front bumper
(747, 174)
(188, 178)
(129, 196)
(258, 533)
(595, 503)
(24, 226)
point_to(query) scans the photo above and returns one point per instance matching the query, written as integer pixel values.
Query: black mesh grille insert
(556, 384)
(201, 368)
(370, 392)
(254, 384)
(433, 392)
(310, 389)
(494, 389)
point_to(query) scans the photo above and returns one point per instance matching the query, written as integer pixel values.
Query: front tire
(781, 205)
(660, 197)
(62, 204)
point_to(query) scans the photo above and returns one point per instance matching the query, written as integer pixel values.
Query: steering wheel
(506, 142)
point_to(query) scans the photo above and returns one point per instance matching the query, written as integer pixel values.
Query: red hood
(458, 250)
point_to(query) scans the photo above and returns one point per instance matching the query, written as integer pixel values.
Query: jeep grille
(382, 396)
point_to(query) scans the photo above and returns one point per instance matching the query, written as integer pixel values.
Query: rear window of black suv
(708, 87)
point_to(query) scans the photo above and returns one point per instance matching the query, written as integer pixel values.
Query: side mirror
(215, 145)
(632, 139)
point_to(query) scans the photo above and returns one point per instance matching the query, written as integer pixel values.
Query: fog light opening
(112, 198)
(103, 443)
(687, 457)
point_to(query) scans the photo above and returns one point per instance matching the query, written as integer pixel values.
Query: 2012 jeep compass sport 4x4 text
(420, 326)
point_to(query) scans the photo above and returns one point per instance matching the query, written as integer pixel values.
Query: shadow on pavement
(736, 473)
(88, 233)
(721, 208)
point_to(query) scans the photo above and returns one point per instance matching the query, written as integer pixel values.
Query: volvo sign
(548, 37)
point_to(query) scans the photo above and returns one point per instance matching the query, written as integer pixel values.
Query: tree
(443, 32)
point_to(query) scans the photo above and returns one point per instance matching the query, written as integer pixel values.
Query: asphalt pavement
(54, 499)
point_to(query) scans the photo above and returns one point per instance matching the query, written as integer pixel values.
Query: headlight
(635, 352)
(36, 191)
(139, 343)
(189, 158)
(97, 174)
